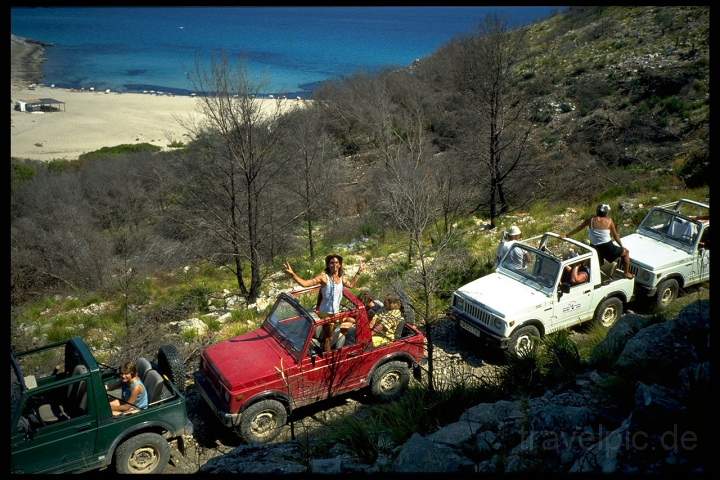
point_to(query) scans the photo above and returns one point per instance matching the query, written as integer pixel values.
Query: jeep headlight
(498, 324)
(645, 276)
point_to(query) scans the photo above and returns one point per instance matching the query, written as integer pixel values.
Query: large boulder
(487, 416)
(194, 325)
(695, 379)
(553, 417)
(455, 434)
(608, 350)
(656, 407)
(693, 322)
(421, 454)
(538, 451)
(486, 443)
(273, 459)
(656, 353)
(605, 455)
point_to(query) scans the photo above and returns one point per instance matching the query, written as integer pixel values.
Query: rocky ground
(630, 411)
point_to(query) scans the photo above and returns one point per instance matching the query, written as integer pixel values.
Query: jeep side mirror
(313, 356)
(565, 288)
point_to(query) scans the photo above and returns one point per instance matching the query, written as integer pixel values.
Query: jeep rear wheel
(523, 340)
(144, 453)
(667, 292)
(390, 380)
(608, 312)
(262, 421)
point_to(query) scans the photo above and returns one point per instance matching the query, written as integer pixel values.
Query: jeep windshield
(289, 326)
(671, 228)
(531, 267)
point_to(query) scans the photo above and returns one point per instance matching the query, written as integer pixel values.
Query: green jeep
(61, 419)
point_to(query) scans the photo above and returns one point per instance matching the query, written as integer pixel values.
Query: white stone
(192, 324)
(224, 318)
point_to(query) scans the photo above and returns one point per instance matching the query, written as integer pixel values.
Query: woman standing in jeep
(332, 282)
(602, 232)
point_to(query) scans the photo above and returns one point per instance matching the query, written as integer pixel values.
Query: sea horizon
(291, 49)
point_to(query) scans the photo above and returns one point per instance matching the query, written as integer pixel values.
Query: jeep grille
(474, 311)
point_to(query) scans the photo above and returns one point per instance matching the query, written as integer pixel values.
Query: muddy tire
(262, 421)
(667, 292)
(390, 380)
(523, 340)
(608, 312)
(144, 453)
(170, 364)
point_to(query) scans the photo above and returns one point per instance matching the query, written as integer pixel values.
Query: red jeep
(253, 382)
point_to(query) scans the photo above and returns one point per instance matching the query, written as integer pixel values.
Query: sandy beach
(92, 120)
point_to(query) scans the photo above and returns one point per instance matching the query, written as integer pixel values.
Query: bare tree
(497, 130)
(309, 149)
(240, 144)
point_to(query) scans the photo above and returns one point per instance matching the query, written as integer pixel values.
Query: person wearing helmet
(602, 232)
(509, 237)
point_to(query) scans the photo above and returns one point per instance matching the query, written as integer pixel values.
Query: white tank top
(331, 296)
(598, 236)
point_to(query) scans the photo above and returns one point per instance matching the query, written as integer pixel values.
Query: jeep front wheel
(523, 340)
(144, 453)
(390, 380)
(261, 421)
(608, 312)
(667, 291)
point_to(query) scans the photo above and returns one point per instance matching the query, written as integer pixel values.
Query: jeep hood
(247, 358)
(503, 294)
(653, 253)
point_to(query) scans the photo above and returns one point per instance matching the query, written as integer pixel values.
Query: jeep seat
(76, 401)
(143, 365)
(154, 385)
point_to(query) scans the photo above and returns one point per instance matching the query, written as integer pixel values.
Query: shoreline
(26, 59)
(92, 118)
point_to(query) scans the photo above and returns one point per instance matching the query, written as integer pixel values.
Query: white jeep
(529, 296)
(670, 250)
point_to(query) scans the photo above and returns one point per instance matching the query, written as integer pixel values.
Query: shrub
(197, 298)
(59, 166)
(212, 323)
(562, 358)
(590, 340)
(190, 335)
(22, 172)
(120, 149)
(523, 374)
(359, 435)
(695, 171)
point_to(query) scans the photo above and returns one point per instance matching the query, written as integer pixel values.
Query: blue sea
(289, 49)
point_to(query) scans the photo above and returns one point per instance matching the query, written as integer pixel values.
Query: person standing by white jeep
(509, 237)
